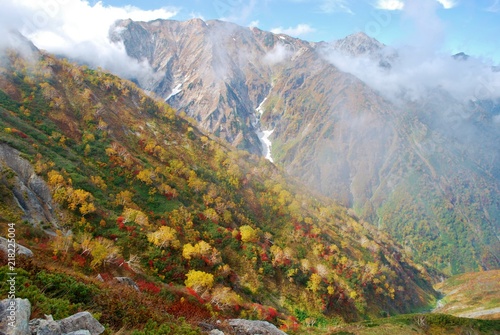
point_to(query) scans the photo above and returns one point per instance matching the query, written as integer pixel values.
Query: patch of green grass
(44, 297)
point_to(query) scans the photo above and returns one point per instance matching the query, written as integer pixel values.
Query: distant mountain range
(426, 169)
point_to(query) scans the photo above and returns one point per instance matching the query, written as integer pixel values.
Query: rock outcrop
(245, 327)
(81, 321)
(29, 191)
(15, 320)
(45, 326)
(20, 250)
(14, 316)
(251, 327)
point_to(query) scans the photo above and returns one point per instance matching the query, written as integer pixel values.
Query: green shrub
(59, 285)
(56, 305)
(179, 327)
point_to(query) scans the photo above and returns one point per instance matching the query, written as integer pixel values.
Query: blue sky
(445, 25)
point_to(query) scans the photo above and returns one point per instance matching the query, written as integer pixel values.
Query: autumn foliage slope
(141, 192)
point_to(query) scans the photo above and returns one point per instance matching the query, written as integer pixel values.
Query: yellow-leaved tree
(82, 200)
(199, 281)
(195, 183)
(223, 297)
(134, 215)
(314, 282)
(103, 251)
(164, 237)
(124, 198)
(64, 192)
(61, 242)
(147, 176)
(83, 242)
(248, 234)
(98, 182)
(200, 249)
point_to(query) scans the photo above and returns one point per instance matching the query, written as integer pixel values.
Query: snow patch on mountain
(177, 89)
(266, 143)
(260, 109)
(263, 135)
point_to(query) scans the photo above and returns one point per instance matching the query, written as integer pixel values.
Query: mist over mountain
(405, 137)
(63, 28)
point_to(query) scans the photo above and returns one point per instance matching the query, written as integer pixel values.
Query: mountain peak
(358, 44)
(197, 22)
(461, 56)
(360, 35)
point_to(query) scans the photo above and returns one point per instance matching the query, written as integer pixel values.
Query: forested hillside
(138, 191)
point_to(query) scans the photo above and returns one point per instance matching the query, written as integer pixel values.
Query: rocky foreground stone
(15, 320)
(247, 327)
(241, 327)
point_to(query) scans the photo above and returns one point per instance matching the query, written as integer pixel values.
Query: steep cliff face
(25, 188)
(215, 71)
(424, 169)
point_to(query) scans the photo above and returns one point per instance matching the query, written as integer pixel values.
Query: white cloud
(279, 54)
(447, 4)
(422, 67)
(496, 119)
(400, 4)
(390, 4)
(333, 6)
(415, 72)
(300, 29)
(78, 30)
(428, 29)
(254, 24)
(196, 15)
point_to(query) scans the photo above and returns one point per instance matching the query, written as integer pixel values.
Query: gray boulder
(20, 250)
(45, 326)
(216, 332)
(79, 332)
(250, 327)
(14, 316)
(81, 321)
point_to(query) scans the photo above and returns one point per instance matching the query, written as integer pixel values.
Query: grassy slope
(471, 295)
(429, 324)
